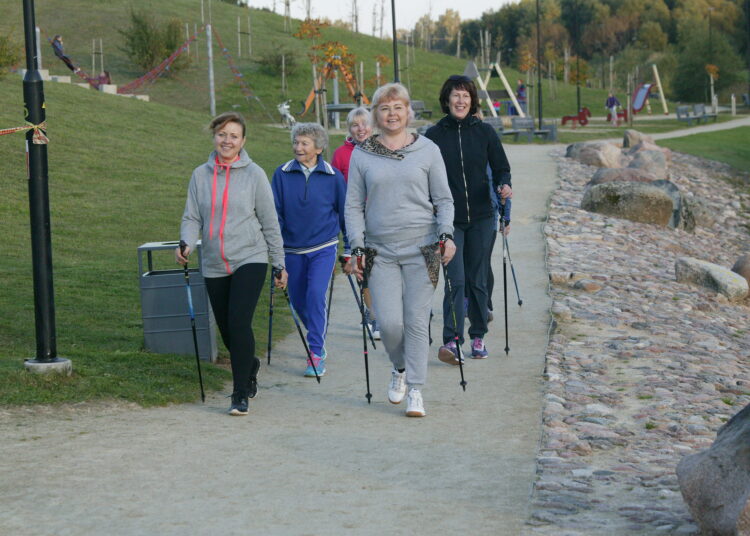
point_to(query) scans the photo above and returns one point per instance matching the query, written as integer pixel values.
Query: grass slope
(118, 172)
(81, 20)
(728, 146)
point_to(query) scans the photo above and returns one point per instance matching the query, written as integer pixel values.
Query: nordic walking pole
(359, 253)
(506, 221)
(505, 275)
(343, 261)
(270, 318)
(277, 275)
(192, 320)
(453, 312)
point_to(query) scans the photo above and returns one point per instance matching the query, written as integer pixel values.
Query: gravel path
(310, 459)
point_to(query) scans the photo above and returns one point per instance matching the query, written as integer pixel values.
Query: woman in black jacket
(468, 147)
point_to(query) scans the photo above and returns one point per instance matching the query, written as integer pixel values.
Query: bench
(525, 126)
(683, 114)
(699, 111)
(419, 109)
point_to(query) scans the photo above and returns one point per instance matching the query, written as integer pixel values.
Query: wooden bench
(419, 109)
(699, 111)
(525, 126)
(683, 114)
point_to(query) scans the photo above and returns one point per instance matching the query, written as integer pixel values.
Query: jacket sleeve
(341, 207)
(265, 210)
(192, 223)
(338, 162)
(278, 195)
(498, 161)
(354, 208)
(440, 193)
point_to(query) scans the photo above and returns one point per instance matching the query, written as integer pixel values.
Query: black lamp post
(41, 235)
(538, 66)
(395, 43)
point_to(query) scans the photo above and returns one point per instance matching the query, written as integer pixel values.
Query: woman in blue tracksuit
(309, 194)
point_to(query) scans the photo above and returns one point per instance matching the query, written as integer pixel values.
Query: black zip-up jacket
(468, 146)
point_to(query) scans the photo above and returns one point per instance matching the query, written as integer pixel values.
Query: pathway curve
(309, 459)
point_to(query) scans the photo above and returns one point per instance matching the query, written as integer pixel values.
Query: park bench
(419, 109)
(683, 114)
(525, 126)
(699, 111)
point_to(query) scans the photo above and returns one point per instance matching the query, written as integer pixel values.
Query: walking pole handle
(359, 253)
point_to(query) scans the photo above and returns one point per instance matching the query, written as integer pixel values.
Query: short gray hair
(313, 131)
(388, 92)
(356, 113)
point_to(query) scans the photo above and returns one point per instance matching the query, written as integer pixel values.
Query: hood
(373, 146)
(243, 161)
(451, 122)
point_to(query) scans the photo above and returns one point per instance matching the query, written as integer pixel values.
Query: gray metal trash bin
(164, 305)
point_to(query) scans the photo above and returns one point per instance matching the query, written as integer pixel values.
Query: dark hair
(460, 82)
(218, 122)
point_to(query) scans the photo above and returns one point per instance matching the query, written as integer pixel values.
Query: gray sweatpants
(402, 298)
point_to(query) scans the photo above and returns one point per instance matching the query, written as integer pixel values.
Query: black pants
(233, 299)
(468, 274)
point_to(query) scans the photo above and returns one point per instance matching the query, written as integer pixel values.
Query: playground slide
(640, 96)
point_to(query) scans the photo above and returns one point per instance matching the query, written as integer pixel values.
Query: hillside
(118, 173)
(82, 20)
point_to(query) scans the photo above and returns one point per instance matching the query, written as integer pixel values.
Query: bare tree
(382, 17)
(308, 9)
(355, 16)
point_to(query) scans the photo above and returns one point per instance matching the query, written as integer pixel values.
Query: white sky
(407, 11)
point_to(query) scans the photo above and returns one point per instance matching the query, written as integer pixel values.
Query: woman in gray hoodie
(230, 205)
(398, 205)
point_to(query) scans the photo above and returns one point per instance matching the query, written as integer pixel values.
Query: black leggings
(233, 299)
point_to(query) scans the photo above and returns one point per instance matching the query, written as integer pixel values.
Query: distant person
(230, 206)
(612, 104)
(359, 125)
(521, 95)
(57, 47)
(310, 194)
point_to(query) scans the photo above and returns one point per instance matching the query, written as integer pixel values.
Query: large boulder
(636, 201)
(712, 276)
(596, 153)
(715, 483)
(742, 267)
(622, 175)
(682, 211)
(649, 146)
(633, 137)
(652, 161)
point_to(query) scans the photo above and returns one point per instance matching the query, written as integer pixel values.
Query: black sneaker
(252, 388)
(239, 404)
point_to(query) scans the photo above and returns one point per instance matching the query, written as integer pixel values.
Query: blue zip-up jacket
(311, 211)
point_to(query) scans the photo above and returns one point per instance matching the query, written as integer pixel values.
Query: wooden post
(612, 74)
(249, 38)
(187, 36)
(283, 75)
(211, 91)
(316, 100)
(239, 38)
(458, 43)
(197, 48)
(377, 74)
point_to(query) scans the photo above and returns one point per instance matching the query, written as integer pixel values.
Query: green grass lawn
(728, 146)
(118, 173)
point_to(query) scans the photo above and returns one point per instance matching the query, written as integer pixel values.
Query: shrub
(270, 61)
(10, 54)
(148, 43)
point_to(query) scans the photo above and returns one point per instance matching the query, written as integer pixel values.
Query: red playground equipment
(580, 119)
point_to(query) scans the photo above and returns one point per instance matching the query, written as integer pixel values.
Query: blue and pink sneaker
(320, 365)
(478, 349)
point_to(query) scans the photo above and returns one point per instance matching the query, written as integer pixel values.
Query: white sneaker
(414, 404)
(375, 329)
(397, 387)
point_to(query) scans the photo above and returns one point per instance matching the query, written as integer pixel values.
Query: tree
(148, 43)
(691, 78)
(9, 53)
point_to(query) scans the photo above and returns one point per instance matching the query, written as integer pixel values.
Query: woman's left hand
(281, 281)
(506, 192)
(449, 250)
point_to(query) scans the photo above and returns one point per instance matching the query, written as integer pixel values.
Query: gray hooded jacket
(246, 230)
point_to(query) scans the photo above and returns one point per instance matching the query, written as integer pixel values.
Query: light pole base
(59, 365)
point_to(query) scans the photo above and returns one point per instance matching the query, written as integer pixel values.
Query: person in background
(468, 147)
(398, 209)
(57, 47)
(359, 125)
(230, 207)
(612, 104)
(310, 194)
(521, 95)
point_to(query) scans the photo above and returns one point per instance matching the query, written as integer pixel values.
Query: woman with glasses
(469, 147)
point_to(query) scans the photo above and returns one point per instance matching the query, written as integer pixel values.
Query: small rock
(588, 285)
(712, 276)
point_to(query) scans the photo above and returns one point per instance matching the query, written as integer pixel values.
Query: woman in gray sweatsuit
(231, 207)
(398, 205)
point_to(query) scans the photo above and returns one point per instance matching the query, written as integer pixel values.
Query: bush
(147, 43)
(10, 54)
(270, 61)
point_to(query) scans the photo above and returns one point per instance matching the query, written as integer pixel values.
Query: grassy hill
(81, 20)
(118, 173)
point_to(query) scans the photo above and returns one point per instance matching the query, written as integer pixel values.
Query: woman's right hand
(355, 266)
(182, 256)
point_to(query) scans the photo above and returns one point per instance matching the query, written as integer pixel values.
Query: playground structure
(471, 71)
(580, 119)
